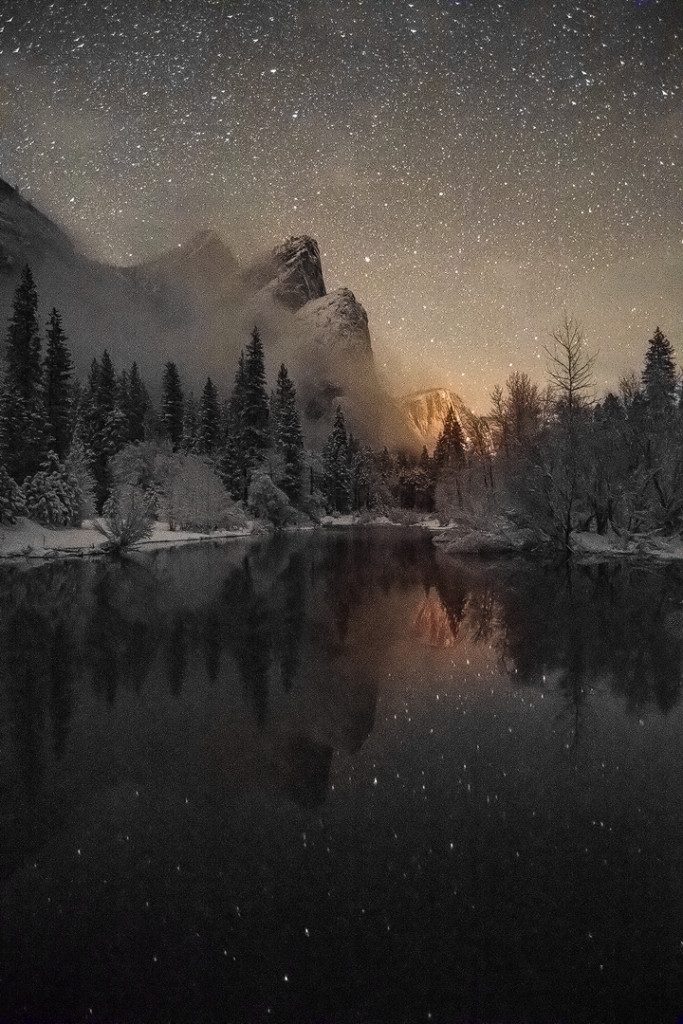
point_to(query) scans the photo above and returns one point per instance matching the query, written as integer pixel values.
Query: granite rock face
(292, 272)
(339, 322)
(427, 411)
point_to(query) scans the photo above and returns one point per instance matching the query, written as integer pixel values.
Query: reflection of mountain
(432, 622)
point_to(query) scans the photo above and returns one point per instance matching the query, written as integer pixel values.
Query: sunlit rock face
(427, 412)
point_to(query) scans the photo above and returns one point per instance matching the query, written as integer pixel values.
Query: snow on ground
(591, 545)
(31, 540)
(355, 520)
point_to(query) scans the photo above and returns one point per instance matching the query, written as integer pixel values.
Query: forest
(552, 459)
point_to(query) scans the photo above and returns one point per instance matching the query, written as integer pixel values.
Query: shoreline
(27, 541)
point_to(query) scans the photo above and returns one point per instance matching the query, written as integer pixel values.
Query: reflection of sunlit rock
(431, 622)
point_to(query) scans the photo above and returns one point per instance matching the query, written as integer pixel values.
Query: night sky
(470, 168)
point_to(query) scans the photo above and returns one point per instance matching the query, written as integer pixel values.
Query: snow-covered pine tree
(102, 424)
(12, 501)
(660, 376)
(172, 405)
(336, 482)
(288, 438)
(24, 429)
(209, 425)
(254, 424)
(58, 385)
(78, 466)
(188, 442)
(137, 407)
(52, 494)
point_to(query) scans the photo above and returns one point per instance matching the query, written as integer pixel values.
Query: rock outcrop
(338, 322)
(291, 271)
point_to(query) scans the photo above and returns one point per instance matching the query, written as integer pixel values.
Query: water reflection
(342, 758)
(310, 623)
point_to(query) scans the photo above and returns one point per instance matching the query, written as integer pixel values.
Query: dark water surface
(340, 778)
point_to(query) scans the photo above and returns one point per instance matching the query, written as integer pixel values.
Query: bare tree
(570, 366)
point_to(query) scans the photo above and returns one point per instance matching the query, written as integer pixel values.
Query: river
(339, 777)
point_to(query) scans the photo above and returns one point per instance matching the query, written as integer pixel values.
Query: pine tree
(58, 385)
(288, 438)
(102, 424)
(172, 405)
(23, 338)
(137, 406)
(231, 465)
(24, 429)
(450, 448)
(12, 501)
(660, 377)
(52, 494)
(336, 481)
(209, 427)
(254, 401)
(188, 441)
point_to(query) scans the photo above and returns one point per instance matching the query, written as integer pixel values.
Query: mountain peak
(202, 262)
(292, 271)
(427, 411)
(339, 322)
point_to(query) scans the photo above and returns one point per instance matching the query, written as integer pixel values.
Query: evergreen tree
(23, 338)
(190, 424)
(450, 448)
(660, 377)
(424, 483)
(254, 404)
(24, 429)
(102, 424)
(172, 405)
(52, 494)
(12, 501)
(288, 439)
(137, 406)
(233, 461)
(58, 385)
(209, 426)
(336, 483)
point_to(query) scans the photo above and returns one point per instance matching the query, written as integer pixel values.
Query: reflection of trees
(614, 624)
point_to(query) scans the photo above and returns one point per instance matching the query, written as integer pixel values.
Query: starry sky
(471, 168)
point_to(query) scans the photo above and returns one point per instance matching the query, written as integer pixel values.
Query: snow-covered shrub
(313, 505)
(51, 495)
(269, 503)
(12, 502)
(194, 497)
(127, 518)
(77, 465)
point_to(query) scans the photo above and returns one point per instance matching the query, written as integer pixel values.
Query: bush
(127, 518)
(52, 496)
(194, 497)
(268, 502)
(12, 501)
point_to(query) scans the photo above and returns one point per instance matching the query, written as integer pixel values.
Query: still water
(340, 778)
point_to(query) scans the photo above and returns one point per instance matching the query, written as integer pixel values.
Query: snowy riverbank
(501, 538)
(26, 539)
